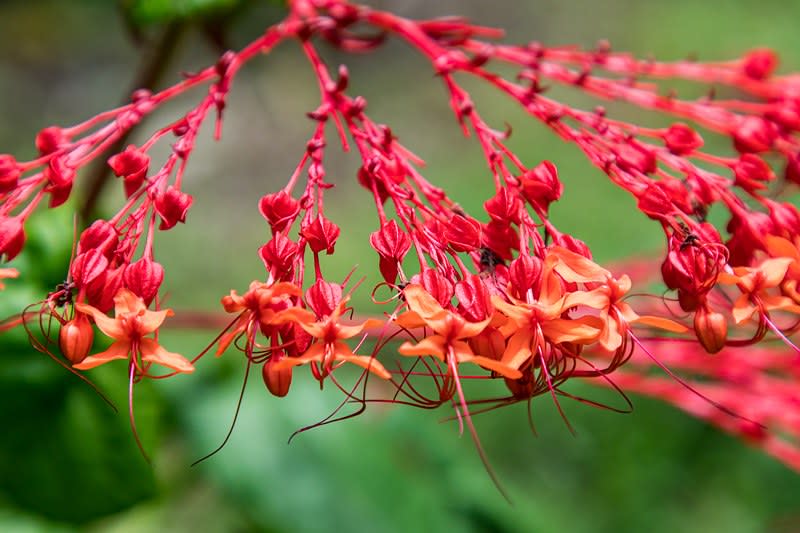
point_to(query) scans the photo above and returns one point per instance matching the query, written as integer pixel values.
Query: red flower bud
(279, 209)
(785, 112)
(368, 180)
(758, 64)
(9, 173)
(390, 241)
(525, 273)
(323, 297)
(131, 165)
(101, 235)
(680, 139)
(463, 233)
(143, 278)
(60, 177)
(50, 140)
(172, 206)
(12, 237)
(747, 236)
(75, 338)
(633, 157)
(277, 381)
(321, 234)
(437, 286)
(101, 291)
(279, 255)
(475, 302)
(753, 135)
(752, 173)
(785, 218)
(655, 203)
(711, 329)
(504, 206)
(87, 267)
(541, 186)
(500, 238)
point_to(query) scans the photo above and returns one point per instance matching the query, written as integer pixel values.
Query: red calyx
(12, 237)
(500, 238)
(475, 302)
(50, 139)
(463, 233)
(87, 267)
(172, 206)
(323, 297)
(752, 173)
(525, 273)
(131, 165)
(392, 245)
(504, 206)
(541, 186)
(60, 176)
(633, 157)
(754, 135)
(9, 173)
(143, 278)
(100, 292)
(101, 235)
(321, 234)
(279, 255)
(680, 139)
(279, 209)
(758, 64)
(437, 286)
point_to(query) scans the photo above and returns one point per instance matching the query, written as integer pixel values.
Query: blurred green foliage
(69, 462)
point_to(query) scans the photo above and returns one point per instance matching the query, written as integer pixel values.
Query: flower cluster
(503, 297)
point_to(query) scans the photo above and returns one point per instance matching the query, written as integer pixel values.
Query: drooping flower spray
(503, 297)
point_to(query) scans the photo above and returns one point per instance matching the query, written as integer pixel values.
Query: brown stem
(152, 69)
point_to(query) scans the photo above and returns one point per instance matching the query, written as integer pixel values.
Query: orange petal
(661, 323)
(596, 299)
(421, 302)
(584, 329)
(518, 350)
(471, 329)
(111, 327)
(494, 366)
(780, 247)
(152, 352)
(370, 363)
(345, 332)
(410, 320)
(118, 350)
(152, 320)
(775, 270)
(433, 345)
(126, 301)
(574, 267)
(743, 309)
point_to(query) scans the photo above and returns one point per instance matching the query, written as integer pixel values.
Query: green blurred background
(68, 462)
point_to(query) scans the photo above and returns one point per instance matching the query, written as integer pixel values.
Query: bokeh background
(67, 462)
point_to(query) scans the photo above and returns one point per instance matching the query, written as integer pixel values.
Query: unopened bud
(75, 338)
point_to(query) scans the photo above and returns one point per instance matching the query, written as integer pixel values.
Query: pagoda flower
(450, 330)
(328, 348)
(257, 309)
(132, 322)
(605, 296)
(754, 283)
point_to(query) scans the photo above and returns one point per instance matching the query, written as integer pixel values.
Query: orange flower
(754, 283)
(259, 305)
(450, 329)
(131, 323)
(329, 334)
